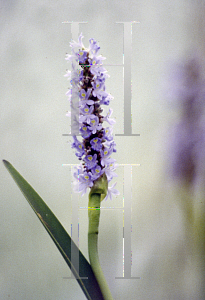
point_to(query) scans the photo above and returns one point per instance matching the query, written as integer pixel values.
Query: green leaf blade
(59, 236)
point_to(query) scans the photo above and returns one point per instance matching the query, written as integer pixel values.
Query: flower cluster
(86, 96)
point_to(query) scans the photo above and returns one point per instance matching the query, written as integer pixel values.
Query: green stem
(95, 198)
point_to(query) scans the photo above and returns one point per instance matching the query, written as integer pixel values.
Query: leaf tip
(6, 164)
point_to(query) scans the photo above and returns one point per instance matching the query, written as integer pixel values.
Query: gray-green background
(32, 112)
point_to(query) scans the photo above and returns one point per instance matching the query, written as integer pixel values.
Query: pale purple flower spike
(88, 84)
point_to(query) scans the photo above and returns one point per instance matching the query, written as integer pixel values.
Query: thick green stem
(97, 193)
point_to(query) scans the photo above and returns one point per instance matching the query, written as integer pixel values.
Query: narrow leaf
(59, 236)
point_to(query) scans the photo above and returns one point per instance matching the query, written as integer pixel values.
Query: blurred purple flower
(187, 137)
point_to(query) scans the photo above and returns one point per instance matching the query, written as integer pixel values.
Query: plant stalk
(96, 195)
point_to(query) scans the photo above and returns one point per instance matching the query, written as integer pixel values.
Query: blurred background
(33, 105)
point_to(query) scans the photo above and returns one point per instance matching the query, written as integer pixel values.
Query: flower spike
(88, 83)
